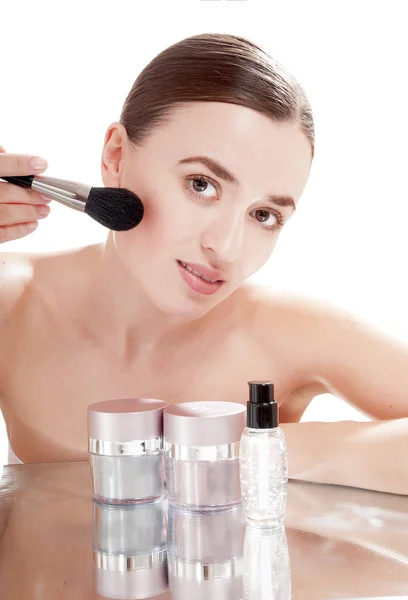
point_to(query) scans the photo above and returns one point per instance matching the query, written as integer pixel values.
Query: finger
(15, 214)
(2, 149)
(14, 194)
(16, 232)
(21, 164)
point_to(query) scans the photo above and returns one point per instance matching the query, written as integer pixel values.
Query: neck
(119, 313)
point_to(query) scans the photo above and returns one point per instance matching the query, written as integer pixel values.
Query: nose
(225, 237)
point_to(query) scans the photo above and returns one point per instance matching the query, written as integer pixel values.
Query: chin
(185, 308)
(186, 311)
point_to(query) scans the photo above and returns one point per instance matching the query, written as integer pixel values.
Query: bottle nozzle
(261, 392)
(262, 408)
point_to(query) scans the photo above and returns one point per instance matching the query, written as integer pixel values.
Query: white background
(66, 69)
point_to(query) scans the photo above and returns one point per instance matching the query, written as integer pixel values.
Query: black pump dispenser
(262, 408)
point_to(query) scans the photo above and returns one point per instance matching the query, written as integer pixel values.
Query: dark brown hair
(214, 67)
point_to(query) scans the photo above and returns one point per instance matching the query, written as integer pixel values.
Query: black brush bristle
(118, 209)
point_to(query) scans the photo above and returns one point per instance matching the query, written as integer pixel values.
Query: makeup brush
(118, 209)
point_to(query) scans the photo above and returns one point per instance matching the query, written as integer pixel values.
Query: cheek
(257, 252)
(166, 223)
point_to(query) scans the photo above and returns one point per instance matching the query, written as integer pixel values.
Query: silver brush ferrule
(70, 193)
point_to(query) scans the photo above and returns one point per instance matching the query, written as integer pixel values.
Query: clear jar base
(205, 507)
(130, 501)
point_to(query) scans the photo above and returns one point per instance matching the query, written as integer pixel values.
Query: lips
(199, 283)
(206, 273)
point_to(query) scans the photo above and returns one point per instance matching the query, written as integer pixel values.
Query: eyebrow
(220, 171)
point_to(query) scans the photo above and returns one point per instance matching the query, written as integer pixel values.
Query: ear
(113, 154)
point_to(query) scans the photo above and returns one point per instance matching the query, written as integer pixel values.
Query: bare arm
(368, 455)
(15, 269)
(3, 318)
(367, 368)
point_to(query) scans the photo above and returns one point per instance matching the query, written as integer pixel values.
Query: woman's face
(222, 223)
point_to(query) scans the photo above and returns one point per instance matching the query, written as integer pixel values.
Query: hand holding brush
(118, 209)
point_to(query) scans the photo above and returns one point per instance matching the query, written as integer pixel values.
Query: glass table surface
(56, 542)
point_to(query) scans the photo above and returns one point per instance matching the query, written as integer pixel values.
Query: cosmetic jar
(129, 545)
(201, 452)
(205, 553)
(126, 450)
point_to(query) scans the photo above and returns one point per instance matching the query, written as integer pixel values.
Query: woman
(217, 140)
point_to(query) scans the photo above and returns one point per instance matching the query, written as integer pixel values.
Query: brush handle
(70, 193)
(22, 180)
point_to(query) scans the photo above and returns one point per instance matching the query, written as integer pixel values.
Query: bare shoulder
(328, 345)
(303, 326)
(38, 274)
(26, 276)
(16, 271)
(30, 287)
(296, 315)
(292, 305)
(21, 275)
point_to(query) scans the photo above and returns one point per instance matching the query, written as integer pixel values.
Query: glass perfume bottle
(263, 458)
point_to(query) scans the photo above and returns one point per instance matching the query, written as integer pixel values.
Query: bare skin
(53, 366)
(118, 320)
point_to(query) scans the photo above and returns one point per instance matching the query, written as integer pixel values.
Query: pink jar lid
(204, 423)
(126, 419)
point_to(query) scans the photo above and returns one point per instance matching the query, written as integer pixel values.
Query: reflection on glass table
(129, 549)
(55, 542)
(205, 554)
(266, 564)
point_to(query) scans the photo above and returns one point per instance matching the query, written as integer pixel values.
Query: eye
(199, 186)
(269, 219)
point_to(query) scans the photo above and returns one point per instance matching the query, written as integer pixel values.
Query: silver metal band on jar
(206, 572)
(202, 453)
(125, 562)
(130, 448)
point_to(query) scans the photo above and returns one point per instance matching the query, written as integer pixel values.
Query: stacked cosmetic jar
(201, 454)
(126, 450)
(130, 549)
(205, 554)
